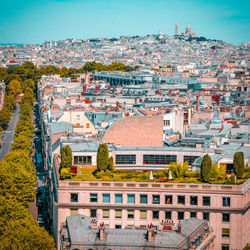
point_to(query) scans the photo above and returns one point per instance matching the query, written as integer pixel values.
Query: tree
(178, 170)
(21, 143)
(28, 96)
(238, 164)
(111, 164)
(18, 230)
(66, 157)
(11, 77)
(20, 157)
(14, 88)
(206, 168)
(29, 83)
(16, 183)
(102, 158)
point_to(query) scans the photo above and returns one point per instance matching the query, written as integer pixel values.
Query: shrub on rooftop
(66, 157)
(102, 158)
(238, 164)
(206, 168)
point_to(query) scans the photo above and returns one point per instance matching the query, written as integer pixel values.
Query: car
(40, 221)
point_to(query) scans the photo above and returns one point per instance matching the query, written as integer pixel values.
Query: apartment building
(130, 205)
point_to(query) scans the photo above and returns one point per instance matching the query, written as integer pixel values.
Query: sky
(36, 21)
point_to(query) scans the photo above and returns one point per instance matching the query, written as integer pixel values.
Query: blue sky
(36, 21)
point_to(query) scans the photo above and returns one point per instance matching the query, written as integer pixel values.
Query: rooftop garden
(175, 172)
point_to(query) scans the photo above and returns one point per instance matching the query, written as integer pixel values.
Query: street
(8, 135)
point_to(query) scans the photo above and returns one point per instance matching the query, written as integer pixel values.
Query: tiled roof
(136, 131)
(80, 232)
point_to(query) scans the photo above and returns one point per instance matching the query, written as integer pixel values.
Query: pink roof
(136, 131)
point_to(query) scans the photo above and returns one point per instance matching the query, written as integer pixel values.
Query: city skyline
(38, 21)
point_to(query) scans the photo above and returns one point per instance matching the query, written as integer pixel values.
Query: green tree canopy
(14, 88)
(206, 168)
(16, 182)
(21, 143)
(238, 164)
(111, 167)
(178, 170)
(11, 77)
(102, 158)
(29, 83)
(66, 157)
(18, 230)
(28, 96)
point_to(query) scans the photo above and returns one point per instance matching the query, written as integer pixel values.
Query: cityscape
(124, 141)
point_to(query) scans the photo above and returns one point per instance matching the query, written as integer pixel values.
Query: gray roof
(80, 233)
(60, 127)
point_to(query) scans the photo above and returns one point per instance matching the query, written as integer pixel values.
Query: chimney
(179, 227)
(97, 88)
(102, 231)
(167, 225)
(84, 89)
(198, 104)
(151, 233)
(93, 224)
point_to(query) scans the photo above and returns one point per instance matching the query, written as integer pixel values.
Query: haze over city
(124, 125)
(36, 21)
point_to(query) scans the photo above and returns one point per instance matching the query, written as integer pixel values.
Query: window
(118, 226)
(166, 122)
(73, 197)
(93, 213)
(181, 200)
(143, 214)
(225, 232)
(93, 197)
(73, 211)
(168, 215)
(206, 216)
(143, 199)
(131, 214)
(156, 199)
(226, 201)
(159, 159)
(193, 200)
(155, 214)
(106, 198)
(118, 198)
(77, 117)
(190, 159)
(225, 217)
(131, 198)
(180, 215)
(125, 159)
(206, 201)
(118, 213)
(193, 215)
(168, 199)
(78, 160)
(225, 247)
(105, 213)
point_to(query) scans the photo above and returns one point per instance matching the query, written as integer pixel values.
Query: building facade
(129, 205)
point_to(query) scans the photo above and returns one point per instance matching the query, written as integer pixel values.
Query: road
(9, 133)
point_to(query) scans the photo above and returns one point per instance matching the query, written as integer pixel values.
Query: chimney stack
(97, 89)
(84, 89)
(179, 227)
(167, 225)
(150, 233)
(93, 224)
(198, 104)
(102, 231)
